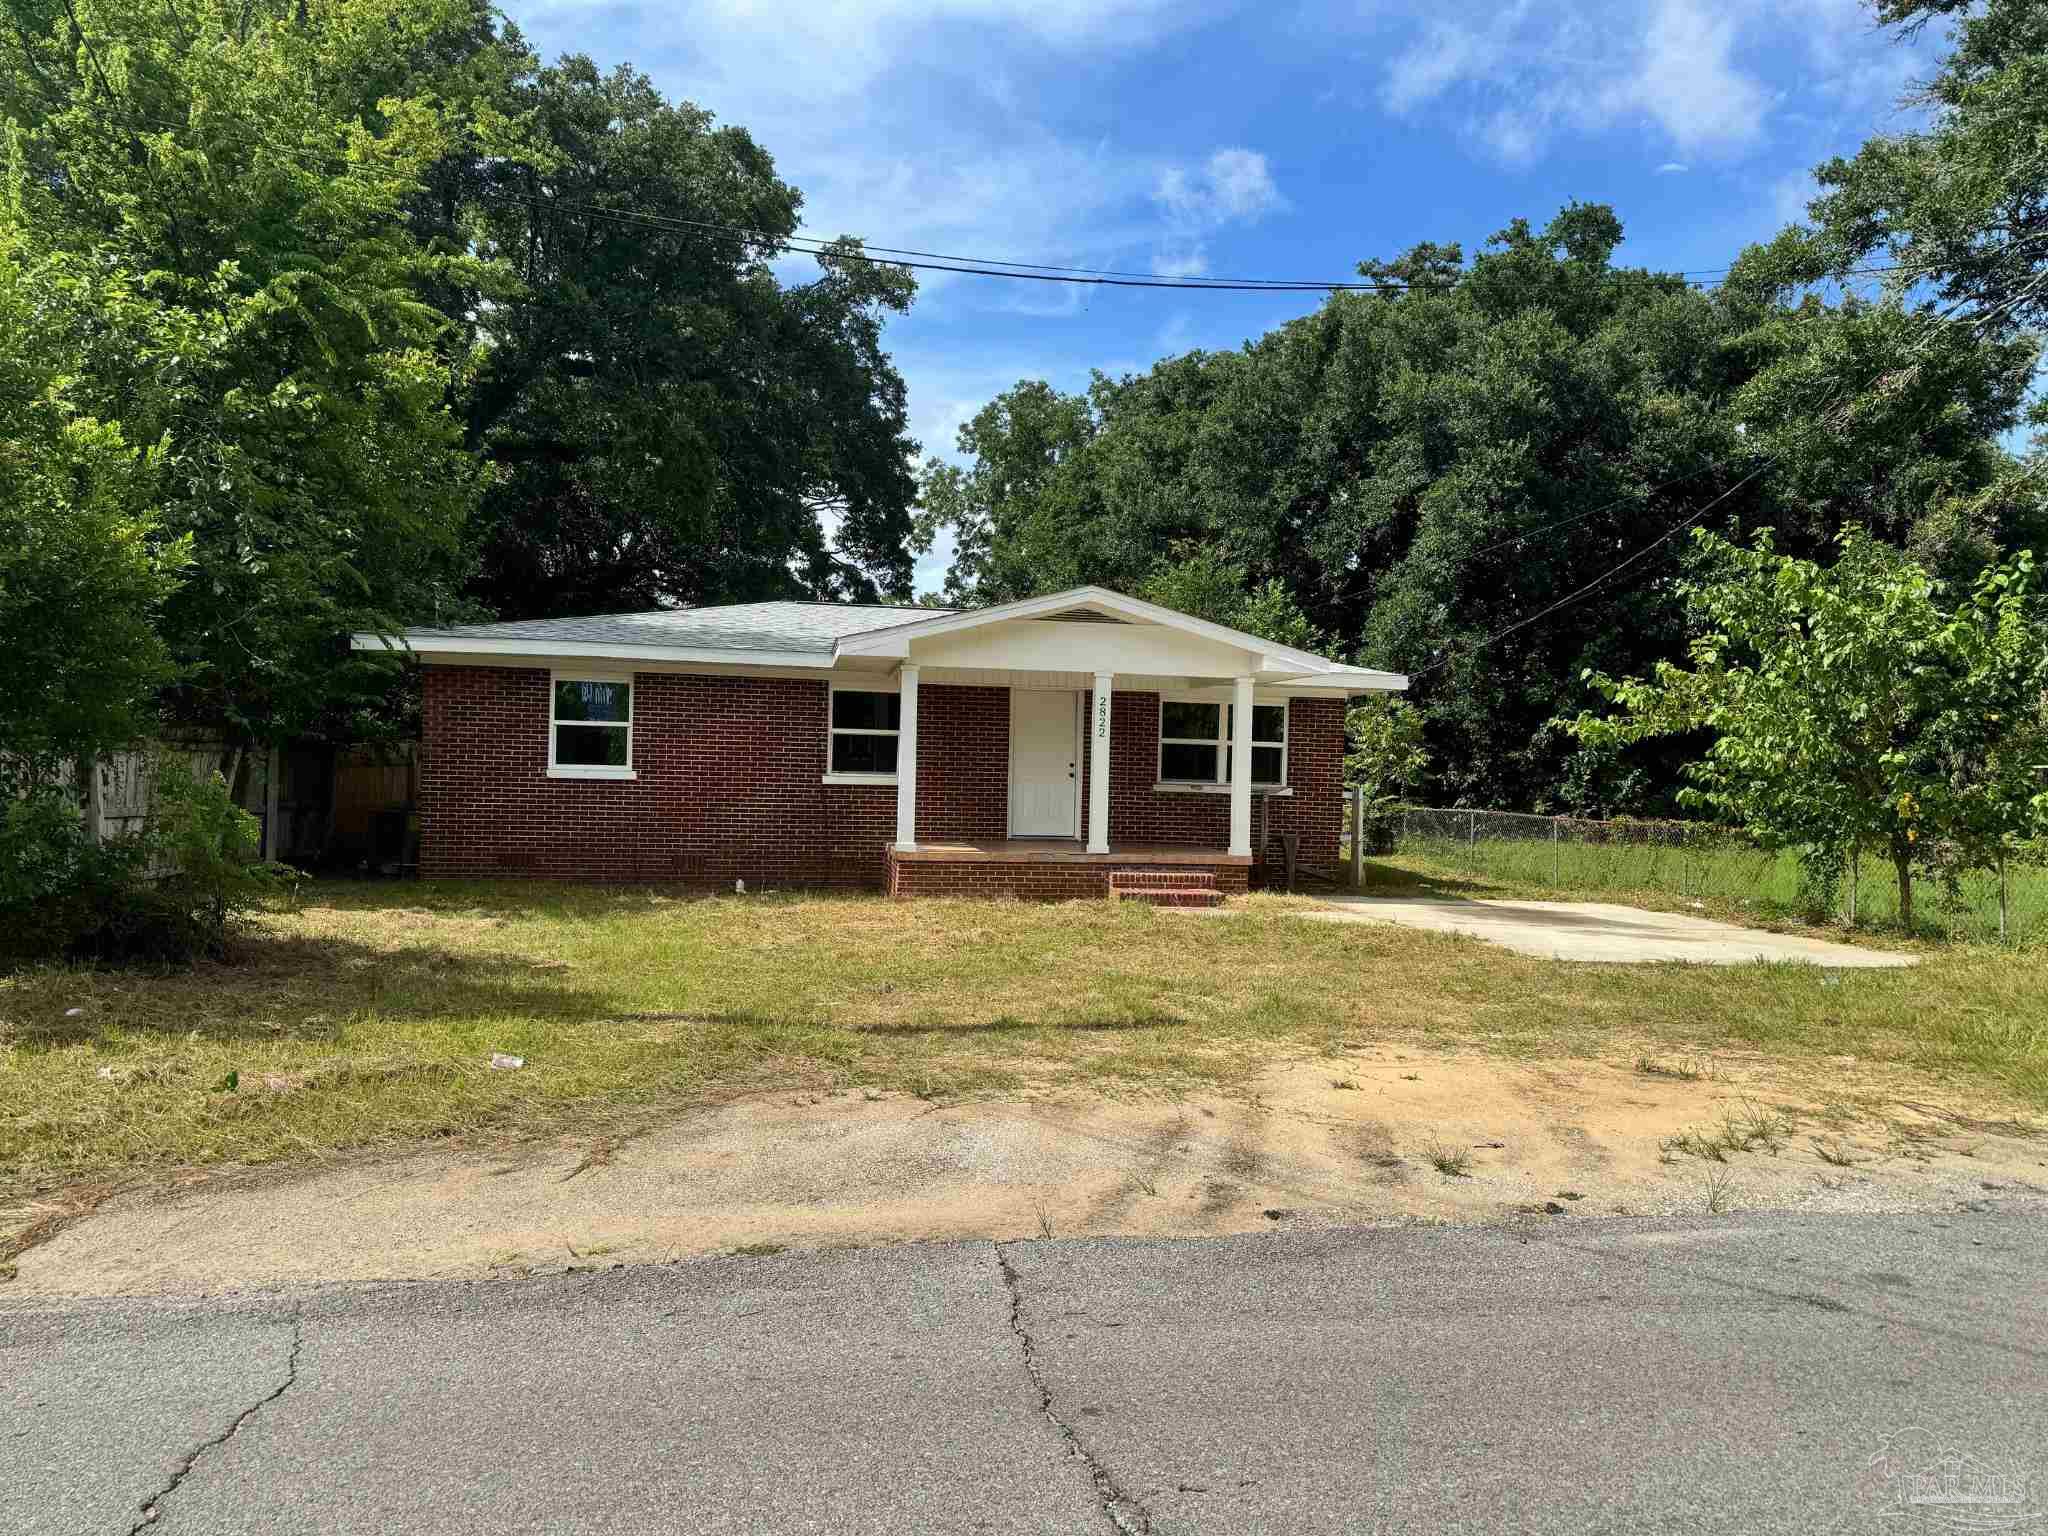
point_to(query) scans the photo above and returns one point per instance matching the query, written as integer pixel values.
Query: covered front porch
(1059, 749)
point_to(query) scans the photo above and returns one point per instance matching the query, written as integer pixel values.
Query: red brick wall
(963, 764)
(1140, 813)
(729, 783)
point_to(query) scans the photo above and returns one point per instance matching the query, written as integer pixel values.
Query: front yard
(370, 1016)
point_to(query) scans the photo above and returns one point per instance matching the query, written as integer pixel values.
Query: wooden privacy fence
(315, 803)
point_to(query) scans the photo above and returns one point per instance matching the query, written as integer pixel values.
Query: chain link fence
(1578, 856)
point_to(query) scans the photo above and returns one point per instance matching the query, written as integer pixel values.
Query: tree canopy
(1427, 466)
(237, 169)
(416, 329)
(83, 567)
(667, 422)
(1958, 203)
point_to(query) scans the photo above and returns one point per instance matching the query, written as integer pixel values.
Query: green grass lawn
(1747, 881)
(368, 1017)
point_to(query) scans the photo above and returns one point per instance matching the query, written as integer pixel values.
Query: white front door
(1045, 763)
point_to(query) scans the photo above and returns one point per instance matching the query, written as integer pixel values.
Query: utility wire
(1605, 506)
(1104, 278)
(1691, 518)
(1569, 598)
(983, 266)
(803, 245)
(979, 266)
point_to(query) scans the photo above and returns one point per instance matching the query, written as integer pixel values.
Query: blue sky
(1261, 140)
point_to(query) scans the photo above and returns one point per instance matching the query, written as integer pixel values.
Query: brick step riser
(1183, 897)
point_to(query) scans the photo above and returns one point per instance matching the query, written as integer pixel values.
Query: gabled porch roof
(1085, 633)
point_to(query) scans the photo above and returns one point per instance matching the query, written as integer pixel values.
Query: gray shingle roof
(785, 627)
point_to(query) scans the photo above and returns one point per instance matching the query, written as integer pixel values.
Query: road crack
(1122, 1511)
(152, 1507)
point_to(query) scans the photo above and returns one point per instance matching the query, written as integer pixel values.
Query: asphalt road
(1743, 1374)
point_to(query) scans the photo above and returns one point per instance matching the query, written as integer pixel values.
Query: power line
(1580, 517)
(1691, 518)
(804, 242)
(1569, 598)
(990, 266)
(971, 267)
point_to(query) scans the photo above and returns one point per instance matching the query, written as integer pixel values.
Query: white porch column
(906, 763)
(1098, 763)
(1241, 767)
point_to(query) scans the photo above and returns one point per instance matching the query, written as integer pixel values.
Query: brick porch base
(1058, 871)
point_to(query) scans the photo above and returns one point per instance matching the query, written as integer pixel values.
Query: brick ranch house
(1069, 745)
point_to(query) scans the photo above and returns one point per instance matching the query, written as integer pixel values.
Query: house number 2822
(1102, 717)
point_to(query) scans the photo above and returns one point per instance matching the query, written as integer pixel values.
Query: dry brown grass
(369, 1016)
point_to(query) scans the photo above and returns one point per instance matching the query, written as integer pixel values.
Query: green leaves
(1955, 203)
(665, 420)
(1855, 705)
(245, 173)
(1385, 753)
(85, 565)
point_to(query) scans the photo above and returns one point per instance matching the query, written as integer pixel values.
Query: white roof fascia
(1358, 679)
(895, 641)
(474, 645)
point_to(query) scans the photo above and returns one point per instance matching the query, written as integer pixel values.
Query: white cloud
(1694, 73)
(839, 48)
(1687, 79)
(1188, 260)
(1672, 168)
(1790, 194)
(1232, 186)
(1443, 56)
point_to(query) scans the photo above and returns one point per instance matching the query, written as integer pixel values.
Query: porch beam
(1241, 767)
(1103, 707)
(906, 764)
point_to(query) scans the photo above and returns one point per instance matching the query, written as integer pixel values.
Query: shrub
(208, 852)
(169, 893)
(58, 889)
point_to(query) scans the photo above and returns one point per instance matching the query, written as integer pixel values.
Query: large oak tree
(1456, 456)
(667, 421)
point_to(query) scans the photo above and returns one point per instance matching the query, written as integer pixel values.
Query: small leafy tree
(1386, 755)
(1852, 706)
(210, 850)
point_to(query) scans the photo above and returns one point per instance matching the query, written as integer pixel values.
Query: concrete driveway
(1602, 931)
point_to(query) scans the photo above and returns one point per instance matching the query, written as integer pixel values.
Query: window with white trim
(590, 728)
(1194, 742)
(865, 729)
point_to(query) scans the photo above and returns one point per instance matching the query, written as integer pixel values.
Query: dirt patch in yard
(1375, 1135)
